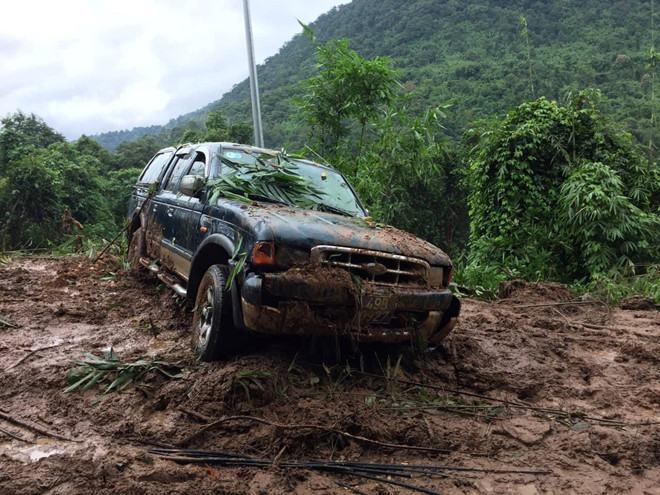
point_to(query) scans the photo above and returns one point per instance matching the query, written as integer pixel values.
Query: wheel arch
(216, 249)
(135, 222)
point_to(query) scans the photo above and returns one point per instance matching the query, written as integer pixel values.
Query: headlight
(263, 253)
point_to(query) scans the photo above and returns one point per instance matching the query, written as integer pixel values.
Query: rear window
(153, 170)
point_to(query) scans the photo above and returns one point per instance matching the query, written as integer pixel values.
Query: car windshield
(322, 188)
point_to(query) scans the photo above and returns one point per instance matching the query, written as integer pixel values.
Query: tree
(405, 169)
(88, 146)
(408, 177)
(30, 204)
(136, 154)
(241, 132)
(19, 131)
(524, 33)
(348, 87)
(216, 121)
(532, 177)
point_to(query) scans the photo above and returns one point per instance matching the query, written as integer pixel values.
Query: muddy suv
(257, 263)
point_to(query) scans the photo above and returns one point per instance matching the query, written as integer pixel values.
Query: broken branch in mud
(328, 429)
(32, 353)
(14, 436)
(196, 415)
(561, 303)
(35, 428)
(519, 405)
(112, 241)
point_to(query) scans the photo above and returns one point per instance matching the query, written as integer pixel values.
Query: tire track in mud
(587, 359)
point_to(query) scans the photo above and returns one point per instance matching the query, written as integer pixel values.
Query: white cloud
(89, 66)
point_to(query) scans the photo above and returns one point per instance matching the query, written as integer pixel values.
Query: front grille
(374, 266)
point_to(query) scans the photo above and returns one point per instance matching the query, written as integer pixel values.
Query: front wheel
(213, 332)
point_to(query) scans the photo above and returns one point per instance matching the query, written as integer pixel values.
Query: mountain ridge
(471, 55)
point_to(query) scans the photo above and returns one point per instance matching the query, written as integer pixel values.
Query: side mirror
(191, 185)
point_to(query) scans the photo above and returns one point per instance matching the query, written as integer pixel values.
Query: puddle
(30, 453)
(43, 448)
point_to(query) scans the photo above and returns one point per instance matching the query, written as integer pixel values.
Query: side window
(199, 166)
(181, 165)
(154, 168)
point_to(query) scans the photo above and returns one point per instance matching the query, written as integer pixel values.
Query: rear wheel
(213, 332)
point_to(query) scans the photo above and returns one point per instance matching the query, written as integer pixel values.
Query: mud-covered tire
(136, 250)
(213, 333)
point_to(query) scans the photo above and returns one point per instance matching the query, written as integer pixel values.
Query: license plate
(378, 301)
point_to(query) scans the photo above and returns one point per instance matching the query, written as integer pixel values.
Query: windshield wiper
(333, 209)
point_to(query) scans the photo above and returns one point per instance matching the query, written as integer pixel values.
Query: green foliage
(88, 146)
(278, 182)
(49, 188)
(217, 123)
(407, 176)
(27, 222)
(613, 287)
(136, 154)
(348, 87)
(92, 370)
(219, 129)
(606, 228)
(20, 131)
(117, 187)
(402, 165)
(543, 204)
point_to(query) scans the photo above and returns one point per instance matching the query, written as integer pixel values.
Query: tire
(136, 250)
(213, 332)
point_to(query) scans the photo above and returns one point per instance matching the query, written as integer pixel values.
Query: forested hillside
(482, 57)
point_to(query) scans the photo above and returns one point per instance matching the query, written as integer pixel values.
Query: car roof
(245, 147)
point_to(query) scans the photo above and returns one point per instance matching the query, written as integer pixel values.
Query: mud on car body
(267, 267)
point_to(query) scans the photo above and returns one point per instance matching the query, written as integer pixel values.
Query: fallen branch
(12, 435)
(379, 472)
(518, 405)
(32, 353)
(35, 428)
(196, 415)
(114, 239)
(357, 438)
(563, 303)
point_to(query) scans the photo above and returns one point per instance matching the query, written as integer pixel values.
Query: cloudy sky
(89, 66)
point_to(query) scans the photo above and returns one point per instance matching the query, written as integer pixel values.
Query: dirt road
(599, 365)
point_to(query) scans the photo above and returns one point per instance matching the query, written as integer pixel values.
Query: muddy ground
(599, 365)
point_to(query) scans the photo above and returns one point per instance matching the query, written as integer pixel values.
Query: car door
(146, 201)
(183, 215)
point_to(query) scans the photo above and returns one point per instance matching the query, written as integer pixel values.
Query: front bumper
(281, 303)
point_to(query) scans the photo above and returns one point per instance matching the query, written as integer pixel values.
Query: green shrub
(559, 192)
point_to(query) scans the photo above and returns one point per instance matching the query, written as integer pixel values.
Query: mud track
(601, 365)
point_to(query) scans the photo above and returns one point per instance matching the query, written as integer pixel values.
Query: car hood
(304, 229)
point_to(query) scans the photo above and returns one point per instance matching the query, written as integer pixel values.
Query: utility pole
(254, 83)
